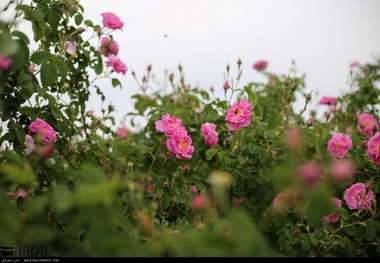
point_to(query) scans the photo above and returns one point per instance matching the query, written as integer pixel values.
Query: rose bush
(246, 175)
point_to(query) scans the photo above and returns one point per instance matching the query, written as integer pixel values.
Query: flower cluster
(239, 115)
(179, 142)
(43, 129)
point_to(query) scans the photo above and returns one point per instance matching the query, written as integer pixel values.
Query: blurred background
(322, 36)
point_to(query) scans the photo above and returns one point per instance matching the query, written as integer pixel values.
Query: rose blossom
(21, 193)
(5, 63)
(117, 65)
(180, 144)
(357, 197)
(260, 65)
(374, 148)
(334, 217)
(198, 202)
(367, 124)
(310, 172)
(239, 115)
(70, 47)
(43, 129)
(112, 21)
(339, 145)
(209, 134)
(122, 132)
(29, 144)
(328, 101)
(193, 189)
(168, 124)
(342, 170)
(109, 46)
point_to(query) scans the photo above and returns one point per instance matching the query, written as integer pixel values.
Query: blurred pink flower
(122, 132)
(29, 144)
(239, 115)
(293, 138)
(180, 144)
(357, 197)
(354, 64)
(209, 134)
(109, 46)
(226, 85)
(334, 217)
(328, 101)
(367, 124)
(342, 170)
(5, 63)
(70, 47)
(310, 172)
(45, 151)
(339, 145)
(43, 129)
(168, 124)
(260, 65)
(310, 121)
(21, 193)
(374, 148)
(112, 21)
(193, 189)
(117, 65)
(198, 202)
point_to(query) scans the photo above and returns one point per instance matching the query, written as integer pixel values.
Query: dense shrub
(246, 175)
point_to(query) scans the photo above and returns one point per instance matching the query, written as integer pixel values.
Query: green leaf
(40, 57)
(78, 19)
(116, 82)
(21, 36)
(49, 74)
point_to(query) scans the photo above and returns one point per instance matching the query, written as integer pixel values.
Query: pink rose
(198, 202)
(356, 197)
(342, 170)
(239, 115)
(260, 65)
(117, 65)
(328, 101)
(193, 189)
(29, 144)
(122, 132)
(374, 148)
(334, 217)
(180, 144)
(5, 63)
(109, 46)
(43, 129)
(367, 124)
(310, 172)
(70, 47)
(168, 124)
(112, 21)
(339, 145)
(209, 134)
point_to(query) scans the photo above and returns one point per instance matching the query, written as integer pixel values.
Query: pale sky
(322, 36)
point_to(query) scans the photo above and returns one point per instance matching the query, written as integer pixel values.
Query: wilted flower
(328, 101)
(339, 145)
(357, 197)
(310, 172)
(32, 68)
(43, 129)
(186, 168)
(112, 21)
(71, 47)
(374, 148)
(29, 144)
(109, 46)
(5, 63)
(260, 65)
(334, 217)
(239, 115)
(168, 124)
(122, 132)
(117, 65)
(209, 134)
(226, 85)
(310, 121)
(342, 170)
(367, 124)
(180, 144)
